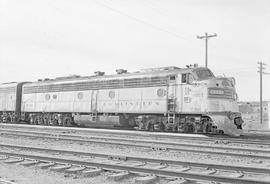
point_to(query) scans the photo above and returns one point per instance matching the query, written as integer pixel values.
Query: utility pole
(261, 71)
(206, 37)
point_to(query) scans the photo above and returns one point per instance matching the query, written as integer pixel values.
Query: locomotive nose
(221, 88)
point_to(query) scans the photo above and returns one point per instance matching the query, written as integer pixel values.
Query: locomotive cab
(216, 97)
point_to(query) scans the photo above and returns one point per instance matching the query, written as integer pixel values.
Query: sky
(52, 38)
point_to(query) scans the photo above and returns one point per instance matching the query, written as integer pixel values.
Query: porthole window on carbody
(80, 95)
(161, 92)
(47, 97)
(111, 94)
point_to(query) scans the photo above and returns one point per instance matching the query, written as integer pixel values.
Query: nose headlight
(232, 79)
(225, 83)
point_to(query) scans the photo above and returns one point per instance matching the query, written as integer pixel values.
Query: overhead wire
(134, 18)
(163, 12)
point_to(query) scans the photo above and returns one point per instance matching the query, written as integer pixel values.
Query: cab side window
(190, 78)
(187, 78)
(184, 78)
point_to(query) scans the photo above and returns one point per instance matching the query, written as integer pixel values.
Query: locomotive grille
(93, 85)
(220, 93)
(8, 90)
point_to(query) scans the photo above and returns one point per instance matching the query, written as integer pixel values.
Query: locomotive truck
(174, 99)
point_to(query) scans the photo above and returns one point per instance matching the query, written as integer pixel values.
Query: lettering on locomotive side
(134, 103)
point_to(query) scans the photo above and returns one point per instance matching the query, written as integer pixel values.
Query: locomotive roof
(8, 85)
(142, 74)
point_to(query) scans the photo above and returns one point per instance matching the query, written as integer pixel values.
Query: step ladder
(171, 110)
(94, 117)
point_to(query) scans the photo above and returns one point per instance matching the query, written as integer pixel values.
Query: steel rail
(138, 169)
(142, 159)
(241, 140)
(148, 141)
(3, 181)
(134, 143)
(252, 130)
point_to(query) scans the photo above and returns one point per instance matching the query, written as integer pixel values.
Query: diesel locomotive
(190, 99)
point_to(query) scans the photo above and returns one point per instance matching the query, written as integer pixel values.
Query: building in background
(251, 115)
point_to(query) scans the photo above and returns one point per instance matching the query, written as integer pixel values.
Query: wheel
(141, 126)
(175, 128)
(161, 127)
(131, 121)
(151, 127)
(221, 132)
(67, 122)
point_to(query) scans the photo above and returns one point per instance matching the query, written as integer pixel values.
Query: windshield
(204, 74)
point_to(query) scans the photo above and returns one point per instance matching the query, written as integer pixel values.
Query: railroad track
(3, 181)
(148, 144)
(261, 140)
(123, 166)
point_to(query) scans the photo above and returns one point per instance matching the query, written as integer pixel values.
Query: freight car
(175, 99)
